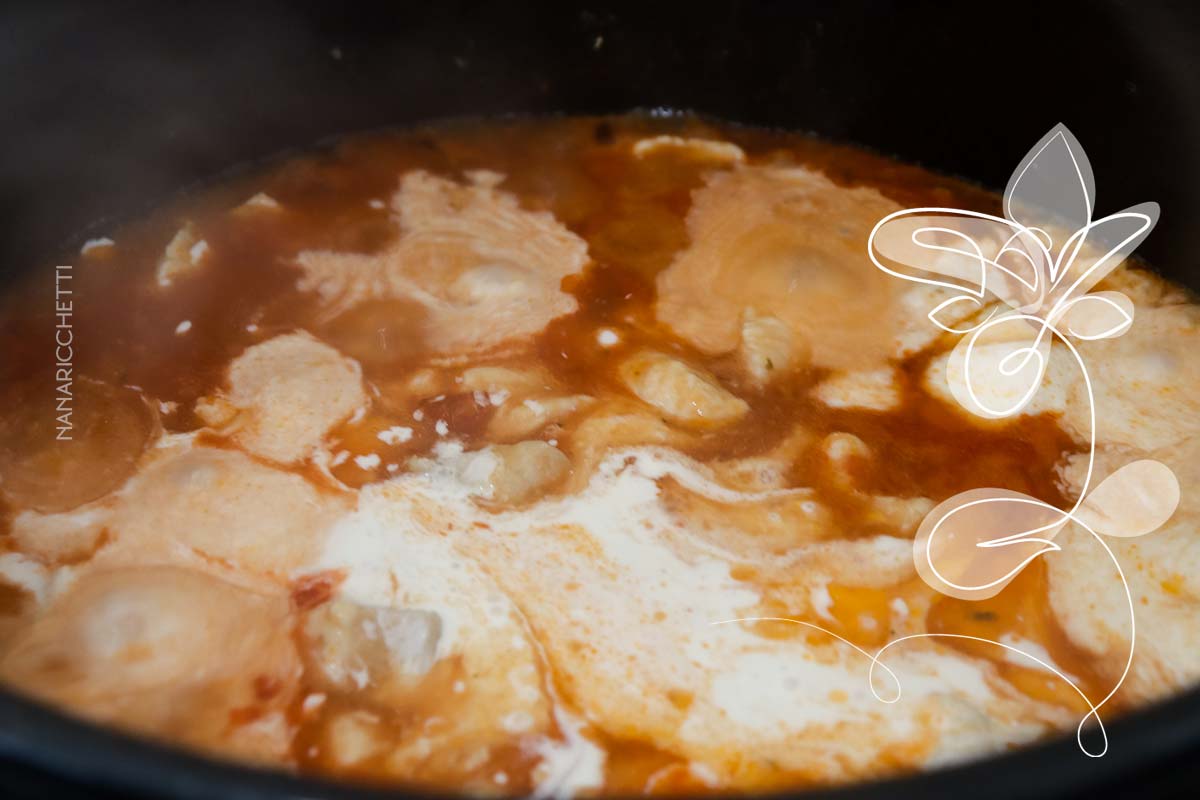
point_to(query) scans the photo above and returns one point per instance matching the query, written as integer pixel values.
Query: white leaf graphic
(969, 252)
(1135, 500)
(973, 544)
(1098, 248)
(1100, 315)
(1053, 184)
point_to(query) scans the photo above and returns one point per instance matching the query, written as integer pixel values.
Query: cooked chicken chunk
(358, 646)
(183, 255)
(680, 391)
(525, 469)
(260, 203)
(702, 149)
(440, 622)
(755, 525)
(615, 424)
(770, 348)
(788, 243)
(525, 400)
(503, 382)
(135, 647)
(526, 416)
(486, 271)
(503, 473)
(222, 505)
(1163, 572)
(1145, 382)
(876, 390)
(215, 504)
(915, 331)
(994, 386)
(612, 577)
(289, 392)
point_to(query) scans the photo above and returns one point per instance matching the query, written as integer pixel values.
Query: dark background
(109, 107)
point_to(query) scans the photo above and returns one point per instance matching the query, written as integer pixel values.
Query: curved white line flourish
(1043, 300)
(1055, 167)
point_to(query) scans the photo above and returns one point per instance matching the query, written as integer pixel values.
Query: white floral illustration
(1022, 282)
(1015, 287)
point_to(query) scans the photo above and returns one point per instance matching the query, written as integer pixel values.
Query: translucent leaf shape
(969, 252)
(973, 544)
(1100, 315)
(1096, 249)
(1053, 185)
(1135, 500)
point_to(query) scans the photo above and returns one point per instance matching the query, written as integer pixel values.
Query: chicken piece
(290, 391)
(110, 429)
(470, 471)
(787, 243)
(754, 526)
(610, 576)
(183, 255)
(400, 395)
(527, 416)
(425, 382)
(223, 505)
(458, 650)
(166, 651)
(615, 423)
(847, 457)
(526, 400)
(1146, 382)
(770, 348)
(701, 149)
(353, 737)
(996, 387)
(750, 509)
(504, 473)
(901, 515)
(681, 392)
(356, 646)
(508, 380)
(213, 503)
(486, 271)
(260, 203)
(215, 411)
(874, 390)
(526, 469)
(1163, 572)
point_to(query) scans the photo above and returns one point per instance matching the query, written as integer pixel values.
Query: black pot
(108, 106)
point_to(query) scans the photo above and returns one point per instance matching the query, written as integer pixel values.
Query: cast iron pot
(111, 107)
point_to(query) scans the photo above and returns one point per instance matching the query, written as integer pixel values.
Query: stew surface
(450, 456)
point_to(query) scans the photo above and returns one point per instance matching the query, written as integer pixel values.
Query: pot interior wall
(111, 106)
